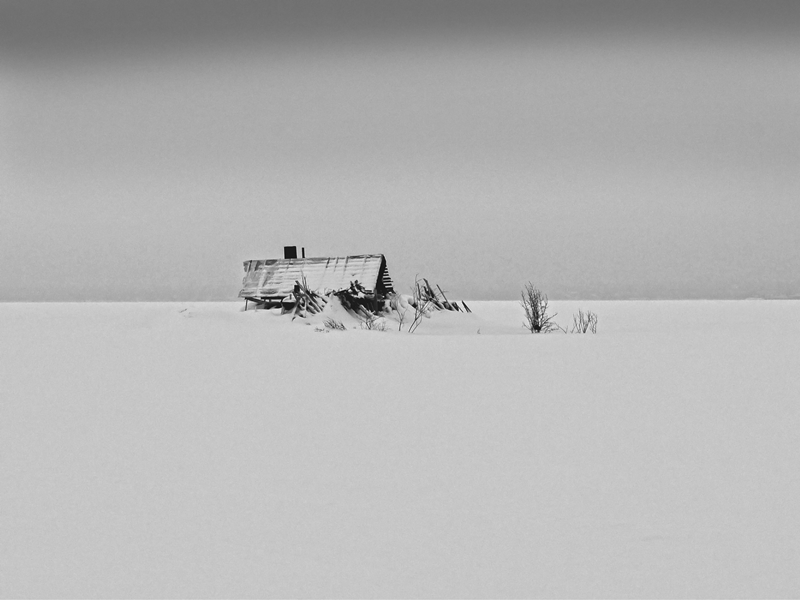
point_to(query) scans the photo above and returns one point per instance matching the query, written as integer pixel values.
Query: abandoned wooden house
(278, 282)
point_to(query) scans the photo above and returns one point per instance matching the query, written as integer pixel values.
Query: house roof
(276, 277)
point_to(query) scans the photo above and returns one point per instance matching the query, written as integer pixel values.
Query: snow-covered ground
(183, 449)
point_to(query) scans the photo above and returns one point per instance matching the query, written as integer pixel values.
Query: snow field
(183, 449)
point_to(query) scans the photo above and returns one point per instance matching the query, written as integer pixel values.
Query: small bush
(534, 302)
(422, 301)
(373, 323)
(334, 324)
(584, 321)
(394, 304)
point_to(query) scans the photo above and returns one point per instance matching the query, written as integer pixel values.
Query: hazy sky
(600, 149)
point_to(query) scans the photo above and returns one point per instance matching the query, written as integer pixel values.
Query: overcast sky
(600, 149)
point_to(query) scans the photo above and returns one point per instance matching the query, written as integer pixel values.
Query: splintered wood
(307, 301)
(359, 301)
(425, 294)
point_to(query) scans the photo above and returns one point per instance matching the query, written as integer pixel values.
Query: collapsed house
(287, 282)
(361, 283)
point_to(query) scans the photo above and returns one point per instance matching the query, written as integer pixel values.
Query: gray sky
(600, 149)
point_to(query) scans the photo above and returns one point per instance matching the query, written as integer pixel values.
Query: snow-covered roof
(276, 277)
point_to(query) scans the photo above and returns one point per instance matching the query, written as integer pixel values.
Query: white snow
(182, 449)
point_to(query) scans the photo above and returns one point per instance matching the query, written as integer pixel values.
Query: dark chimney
(290, 252)
(304, 251)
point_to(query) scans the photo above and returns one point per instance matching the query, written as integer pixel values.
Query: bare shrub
(584, 321)
(534, 302)
(401, 317)
(395, 304)
(333, 324)
(422, 303)
(373, 323)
